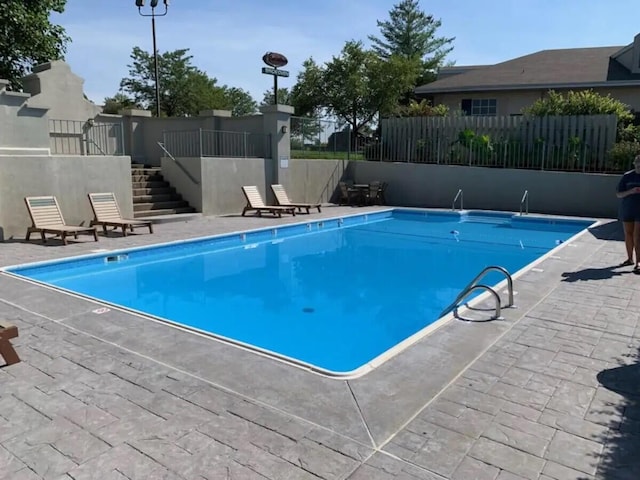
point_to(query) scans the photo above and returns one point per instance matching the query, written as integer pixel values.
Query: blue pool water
(334, 294)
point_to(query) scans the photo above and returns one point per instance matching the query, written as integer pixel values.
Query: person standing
(629, 192)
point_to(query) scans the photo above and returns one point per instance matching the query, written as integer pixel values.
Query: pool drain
(308, 310)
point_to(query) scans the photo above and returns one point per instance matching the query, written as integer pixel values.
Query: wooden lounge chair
(255, 202)
(283, 200)
(7, 332)
(107, 213)
(46, 217)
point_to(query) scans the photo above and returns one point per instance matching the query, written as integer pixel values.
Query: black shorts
(629, 214)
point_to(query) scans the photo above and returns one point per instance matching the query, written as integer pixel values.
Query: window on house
(476, 106)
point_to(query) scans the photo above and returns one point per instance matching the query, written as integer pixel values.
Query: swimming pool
(333, 295)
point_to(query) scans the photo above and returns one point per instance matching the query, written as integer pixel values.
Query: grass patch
(325, 155)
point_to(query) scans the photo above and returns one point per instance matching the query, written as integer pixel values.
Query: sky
(228, 38)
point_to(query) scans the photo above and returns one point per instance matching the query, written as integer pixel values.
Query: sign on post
(274, 61)
(275, 71)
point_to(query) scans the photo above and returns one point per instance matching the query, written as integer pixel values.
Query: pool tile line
(361, 415)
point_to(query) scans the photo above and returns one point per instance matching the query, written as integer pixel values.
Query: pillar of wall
(134, 143)
(277, 124)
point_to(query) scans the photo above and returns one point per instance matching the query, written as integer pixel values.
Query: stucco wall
(313, 180)
(559, 193)
(23, 129)
(53, 85)
(220, 180)
(70, 179)
(218, 191)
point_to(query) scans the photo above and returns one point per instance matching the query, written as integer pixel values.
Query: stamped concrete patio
(550, 392)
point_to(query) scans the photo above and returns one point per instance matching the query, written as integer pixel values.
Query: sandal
(626, 263)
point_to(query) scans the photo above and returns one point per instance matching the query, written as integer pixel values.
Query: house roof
(569, 67)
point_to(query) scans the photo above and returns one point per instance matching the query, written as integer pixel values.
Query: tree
(239, 101)
(184, 89)
(306, 94)
(113, 105)
(411, 33)
(358, 86)
(27, 36)
(284, 97)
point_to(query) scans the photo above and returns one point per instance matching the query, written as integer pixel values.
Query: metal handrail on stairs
(180, 166)
(474, 285)
(461, 195)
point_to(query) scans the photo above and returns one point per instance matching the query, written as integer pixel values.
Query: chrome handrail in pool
(474, 283)
(461, 195)
(481, 286)
(525, 200)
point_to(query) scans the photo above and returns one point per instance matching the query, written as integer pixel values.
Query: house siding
(507, 103)
(512, 102)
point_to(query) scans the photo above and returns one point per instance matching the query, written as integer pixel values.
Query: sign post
(275, 60)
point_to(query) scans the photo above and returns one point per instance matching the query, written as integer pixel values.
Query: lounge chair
(46, 217)
(107, 214)
(255, 202)
(283, 200)
(7, 332)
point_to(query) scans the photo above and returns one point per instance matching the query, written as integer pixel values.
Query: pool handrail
(461, 195)
(525, 201)
(473, 283)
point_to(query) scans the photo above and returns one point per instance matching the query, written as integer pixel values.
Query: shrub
(583, 102)
(621, 155)
(630, 133)
(421, 109)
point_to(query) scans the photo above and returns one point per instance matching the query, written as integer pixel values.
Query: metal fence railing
(73, 137)
(217, 143)
(564, 143)
(318, 138)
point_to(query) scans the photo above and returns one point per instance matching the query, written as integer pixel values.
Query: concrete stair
(155, 197)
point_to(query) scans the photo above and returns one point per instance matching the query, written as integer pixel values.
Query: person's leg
(629, 233)
(636, 242)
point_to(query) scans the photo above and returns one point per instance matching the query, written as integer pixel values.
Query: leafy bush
(630, 133)
(621, 155)
(583, 102)
(422, 108)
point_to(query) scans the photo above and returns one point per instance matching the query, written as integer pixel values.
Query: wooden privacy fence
(572, 143)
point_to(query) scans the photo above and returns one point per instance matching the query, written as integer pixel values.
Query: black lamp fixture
(154, 4)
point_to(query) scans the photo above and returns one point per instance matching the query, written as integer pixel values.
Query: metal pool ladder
(461, 195)
(525, 202)
(474, 285)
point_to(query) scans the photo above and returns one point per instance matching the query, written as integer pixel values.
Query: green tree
(358, 86)
(239, 101)
(284, 97)
(305, 126)
(113, 105)
(184, 89)
(307, 93)
(28, 37)
(412, 34)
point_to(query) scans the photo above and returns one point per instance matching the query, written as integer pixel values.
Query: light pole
(153, 15)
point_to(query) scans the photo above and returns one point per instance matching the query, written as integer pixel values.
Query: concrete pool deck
(551, 391)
